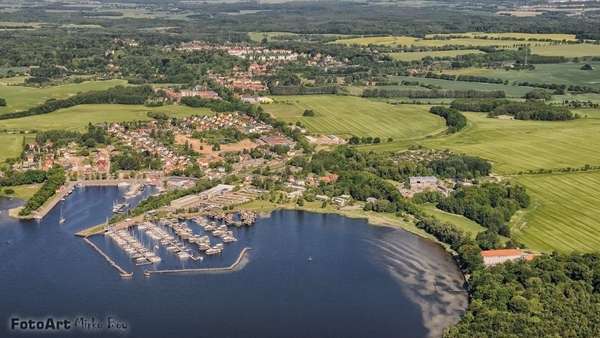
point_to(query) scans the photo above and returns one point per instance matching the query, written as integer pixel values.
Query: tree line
(529, 110)
(432, 94)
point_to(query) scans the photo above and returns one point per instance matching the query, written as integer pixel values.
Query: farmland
(76, 118)
(21, 97)
(410, 56)
(416, 42)
(563, 73)
(564, 213)
(527, 36)
(567, 50)
(515, 146)
(347, 115)
(511, 91)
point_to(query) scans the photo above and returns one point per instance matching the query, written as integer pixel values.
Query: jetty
(122, 272)
(230, 268)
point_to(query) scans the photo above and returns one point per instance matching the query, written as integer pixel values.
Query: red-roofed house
(493, 257)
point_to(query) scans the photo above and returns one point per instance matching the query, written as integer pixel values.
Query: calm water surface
(362, 281)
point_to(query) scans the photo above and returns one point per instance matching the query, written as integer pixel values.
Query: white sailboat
(62, 219)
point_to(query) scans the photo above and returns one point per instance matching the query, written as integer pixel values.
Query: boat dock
(122, 272)
(230, 268)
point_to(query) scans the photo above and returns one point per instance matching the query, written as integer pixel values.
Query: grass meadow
(22, 97)
(564, 213)
(78, 117)
(349, 115)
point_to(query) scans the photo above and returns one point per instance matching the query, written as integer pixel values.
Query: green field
(411, 56)
(567, 50)
(23, 192)
(21, 97)
(557, 37)
(349, 115)
(460, 221)
(513, 145)
(564, 214)
(563, 73)
(511, 91)
(11, 145)
(77, 118)
(416, 42)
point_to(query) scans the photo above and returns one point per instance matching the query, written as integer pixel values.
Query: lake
(307, 275)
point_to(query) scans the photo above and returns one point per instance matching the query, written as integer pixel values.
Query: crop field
(556, 37)
(566, 73)
(21, 97)
(348, 115)
(411, 56)
(564, 214)
(379, 40)
(78, 117)
(567, 50)
(511, 91)
(513, 146)
(412, 41)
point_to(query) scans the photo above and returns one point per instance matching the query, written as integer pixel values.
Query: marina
(296, 254)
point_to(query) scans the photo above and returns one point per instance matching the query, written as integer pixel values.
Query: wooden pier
(122, 272)
(230, 268)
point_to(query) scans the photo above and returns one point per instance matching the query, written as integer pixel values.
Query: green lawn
(411, 56)
(76, 118)
(513, 145)
(563, 73)
(460, 221)
(349, 115)
(564, 214)
(23, 192)
(21, 97)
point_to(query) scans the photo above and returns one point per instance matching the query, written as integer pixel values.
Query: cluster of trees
(538, 95)
(94, 135)
(2, 102)
(302, 90)
(364, 140)
(532, 110)
(432, 94)
(386, 166)
(454, 119)
(478, 105)
(490, 204)
(216, 105)
(116, 95)
(55, 179)
(552, 296)
(469, 258)
(529, 110)
(129, 159)
(308, 113)
(466, 78)
(25, 177)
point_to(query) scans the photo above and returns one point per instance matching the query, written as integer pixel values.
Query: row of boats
(134, 248)
(172, 241)
(182, 230)
(166, 239)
